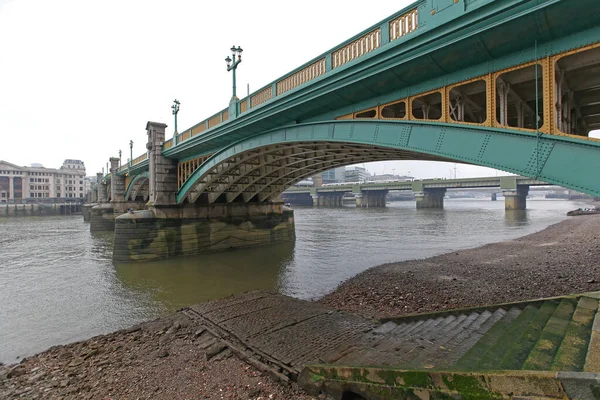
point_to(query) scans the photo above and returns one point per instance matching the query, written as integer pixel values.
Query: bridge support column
(163, 172)
(163, 232)
(101, 189)
(430, 198)
(516, 199)
(316, 200)
(371, 198)
(117, 183)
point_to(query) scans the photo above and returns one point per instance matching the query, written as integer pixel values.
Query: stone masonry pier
(163, 232)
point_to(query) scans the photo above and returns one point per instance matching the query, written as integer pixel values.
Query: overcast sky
(80, 78)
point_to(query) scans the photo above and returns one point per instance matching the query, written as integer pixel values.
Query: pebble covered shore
(171, 358)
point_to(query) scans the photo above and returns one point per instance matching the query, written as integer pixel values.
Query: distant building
(356, 174)
(335, 175)
(39, 184)
(391, 178)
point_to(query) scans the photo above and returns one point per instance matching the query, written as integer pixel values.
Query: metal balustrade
(356, 49)
(304, 75)
(404, 24)
(398, 27)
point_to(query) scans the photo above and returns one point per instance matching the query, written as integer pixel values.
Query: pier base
(102, 216)
(430, 198)
(516, 199)
(371, 198)
(165, 232)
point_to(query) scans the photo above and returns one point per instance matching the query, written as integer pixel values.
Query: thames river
(58, 283)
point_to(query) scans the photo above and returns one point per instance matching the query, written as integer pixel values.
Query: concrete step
(521, 347)
(459, 351)
(592, 361)
(472, 357)
(458, 341)
(432, 338)
(573, 350)
(494, 355)
(542, 355)
(441, 342)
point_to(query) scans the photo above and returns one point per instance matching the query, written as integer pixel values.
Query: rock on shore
(169, 358)
(561, 259)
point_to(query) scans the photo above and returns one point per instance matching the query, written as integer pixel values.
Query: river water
(58, 283)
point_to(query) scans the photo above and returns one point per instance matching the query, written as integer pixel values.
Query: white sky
(80, 78)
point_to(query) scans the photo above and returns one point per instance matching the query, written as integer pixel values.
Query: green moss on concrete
(522, 346)
(493, 357)
(469, 361)
(542, 355)
(470, 387)
(573, 349)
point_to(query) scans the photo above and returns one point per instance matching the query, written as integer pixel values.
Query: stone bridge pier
(102, 215)
(168, 229)
(430, 198)
(371, 198)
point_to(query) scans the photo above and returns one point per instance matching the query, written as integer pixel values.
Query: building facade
(356, 174)
(335, 175)
(38, 184)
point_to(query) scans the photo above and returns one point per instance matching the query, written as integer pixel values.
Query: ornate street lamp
(232, 66)
(130, 156)
(175, 108)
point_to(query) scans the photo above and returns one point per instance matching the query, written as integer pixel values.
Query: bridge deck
(287, 334)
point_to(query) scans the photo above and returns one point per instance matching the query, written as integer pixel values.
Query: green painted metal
(142, 175)
(457, 41)
(569, 162)
(480, 39)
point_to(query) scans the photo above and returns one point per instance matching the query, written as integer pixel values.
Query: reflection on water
(58, 283)
(516, 218)
(187, 280)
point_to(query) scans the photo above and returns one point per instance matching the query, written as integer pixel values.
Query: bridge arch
(261, 167)
(139, 185)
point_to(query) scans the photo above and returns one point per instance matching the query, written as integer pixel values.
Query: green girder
(142, 175)
(564, 161)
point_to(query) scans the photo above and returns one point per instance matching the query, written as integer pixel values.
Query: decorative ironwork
(356, 49)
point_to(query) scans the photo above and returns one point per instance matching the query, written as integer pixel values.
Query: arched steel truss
(139, 185)
(261, 167)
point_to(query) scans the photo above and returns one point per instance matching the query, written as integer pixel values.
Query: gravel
(561, 259)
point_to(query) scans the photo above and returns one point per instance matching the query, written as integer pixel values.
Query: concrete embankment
(26, 210)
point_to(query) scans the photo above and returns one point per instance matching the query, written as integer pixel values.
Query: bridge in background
(513, 85)
(429, 193)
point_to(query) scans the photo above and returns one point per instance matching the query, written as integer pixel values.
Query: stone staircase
(535, 341)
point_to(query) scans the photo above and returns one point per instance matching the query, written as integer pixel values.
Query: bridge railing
(397, 26)
(135, 161)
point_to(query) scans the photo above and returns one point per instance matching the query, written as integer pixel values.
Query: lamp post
(130, 156)
(232, 66)
(175, 108)
(119, 158)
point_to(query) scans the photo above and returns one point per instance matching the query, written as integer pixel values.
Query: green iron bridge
(512, 85)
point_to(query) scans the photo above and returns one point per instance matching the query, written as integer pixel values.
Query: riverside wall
(26, 210)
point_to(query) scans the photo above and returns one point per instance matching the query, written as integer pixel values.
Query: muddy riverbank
(172, 358)
(561, 259)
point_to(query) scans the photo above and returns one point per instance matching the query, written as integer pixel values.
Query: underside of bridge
(262, 174)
